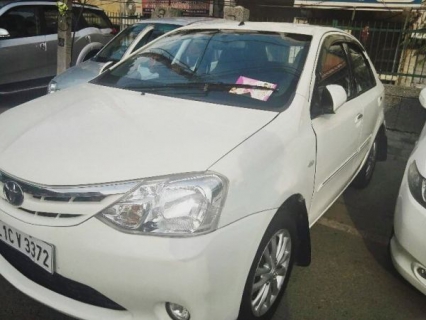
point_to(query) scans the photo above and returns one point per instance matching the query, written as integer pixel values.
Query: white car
(181, 183)
(409, 239)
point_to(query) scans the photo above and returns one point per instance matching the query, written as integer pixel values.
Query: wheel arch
(94, 46)
(295, 206)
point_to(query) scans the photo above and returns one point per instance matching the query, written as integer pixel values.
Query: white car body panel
(118, 135)
(279, 163)
(177, 259)
(338, 140)
(408, 243)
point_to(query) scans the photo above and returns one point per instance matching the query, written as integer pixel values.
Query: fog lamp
(177, 312)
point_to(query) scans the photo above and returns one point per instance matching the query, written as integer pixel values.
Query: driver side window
(21, 22)
(333, 68)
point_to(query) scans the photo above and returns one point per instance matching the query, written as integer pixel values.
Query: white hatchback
(409, 239)
(181, 183)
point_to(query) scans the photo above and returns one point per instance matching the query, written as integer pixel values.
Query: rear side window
(96, 19)
(363, 75)
(21, 22)
(50, 20)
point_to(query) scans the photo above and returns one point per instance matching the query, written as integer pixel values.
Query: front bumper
(205, 274)
(409, 240)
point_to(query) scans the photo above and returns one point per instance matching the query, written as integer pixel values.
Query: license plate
(41, 253)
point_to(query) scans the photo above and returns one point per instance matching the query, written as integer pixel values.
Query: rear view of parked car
(181, 183)
(409, 239)
(125, 43)
(29, 41)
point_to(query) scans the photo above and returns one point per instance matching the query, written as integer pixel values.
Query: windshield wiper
(204, 86)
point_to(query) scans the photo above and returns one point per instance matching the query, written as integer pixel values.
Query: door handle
(358, 117)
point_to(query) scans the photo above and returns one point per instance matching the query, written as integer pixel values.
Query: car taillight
(114, 31)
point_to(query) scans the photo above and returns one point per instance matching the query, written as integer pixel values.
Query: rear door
(23, 54)
(369, 93)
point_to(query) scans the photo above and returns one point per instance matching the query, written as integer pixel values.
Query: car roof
(182, 21)
(264, 26)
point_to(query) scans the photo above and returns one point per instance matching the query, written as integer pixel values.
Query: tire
(363, 177)
(265, 285)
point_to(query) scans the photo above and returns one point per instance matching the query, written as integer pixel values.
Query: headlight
(52, 87)
(178, 205)
(417, 184)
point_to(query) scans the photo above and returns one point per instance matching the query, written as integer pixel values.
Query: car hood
(94, 134)
(82, 73)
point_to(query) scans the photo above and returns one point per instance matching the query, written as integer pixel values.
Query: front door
(338, 134)
(23, 54)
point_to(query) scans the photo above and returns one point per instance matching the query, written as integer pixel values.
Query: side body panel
(22, 59)
(281, 165)
(338, 157)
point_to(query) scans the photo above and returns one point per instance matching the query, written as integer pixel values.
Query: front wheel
(364, 176)
(270, 271)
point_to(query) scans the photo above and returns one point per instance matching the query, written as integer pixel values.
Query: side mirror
(106, 66)
(422, 98)
(333, 97)
(4, 33)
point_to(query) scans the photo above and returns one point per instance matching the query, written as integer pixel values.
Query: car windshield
(240, 68)
(115, 50)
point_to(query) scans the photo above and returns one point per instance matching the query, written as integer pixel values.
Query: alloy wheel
(271, 272)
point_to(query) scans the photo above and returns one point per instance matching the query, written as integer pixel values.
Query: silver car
(126, 42)
(28, 41)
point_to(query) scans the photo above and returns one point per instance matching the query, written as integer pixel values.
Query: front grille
(55, 282)
(50, 214)
(44, 193)
(47, 205)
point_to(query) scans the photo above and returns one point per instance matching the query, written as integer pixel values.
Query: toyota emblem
(13, 193)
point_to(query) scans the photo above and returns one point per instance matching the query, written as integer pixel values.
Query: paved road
(351, 276)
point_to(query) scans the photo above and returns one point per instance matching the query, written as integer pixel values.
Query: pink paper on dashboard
(259, 94)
